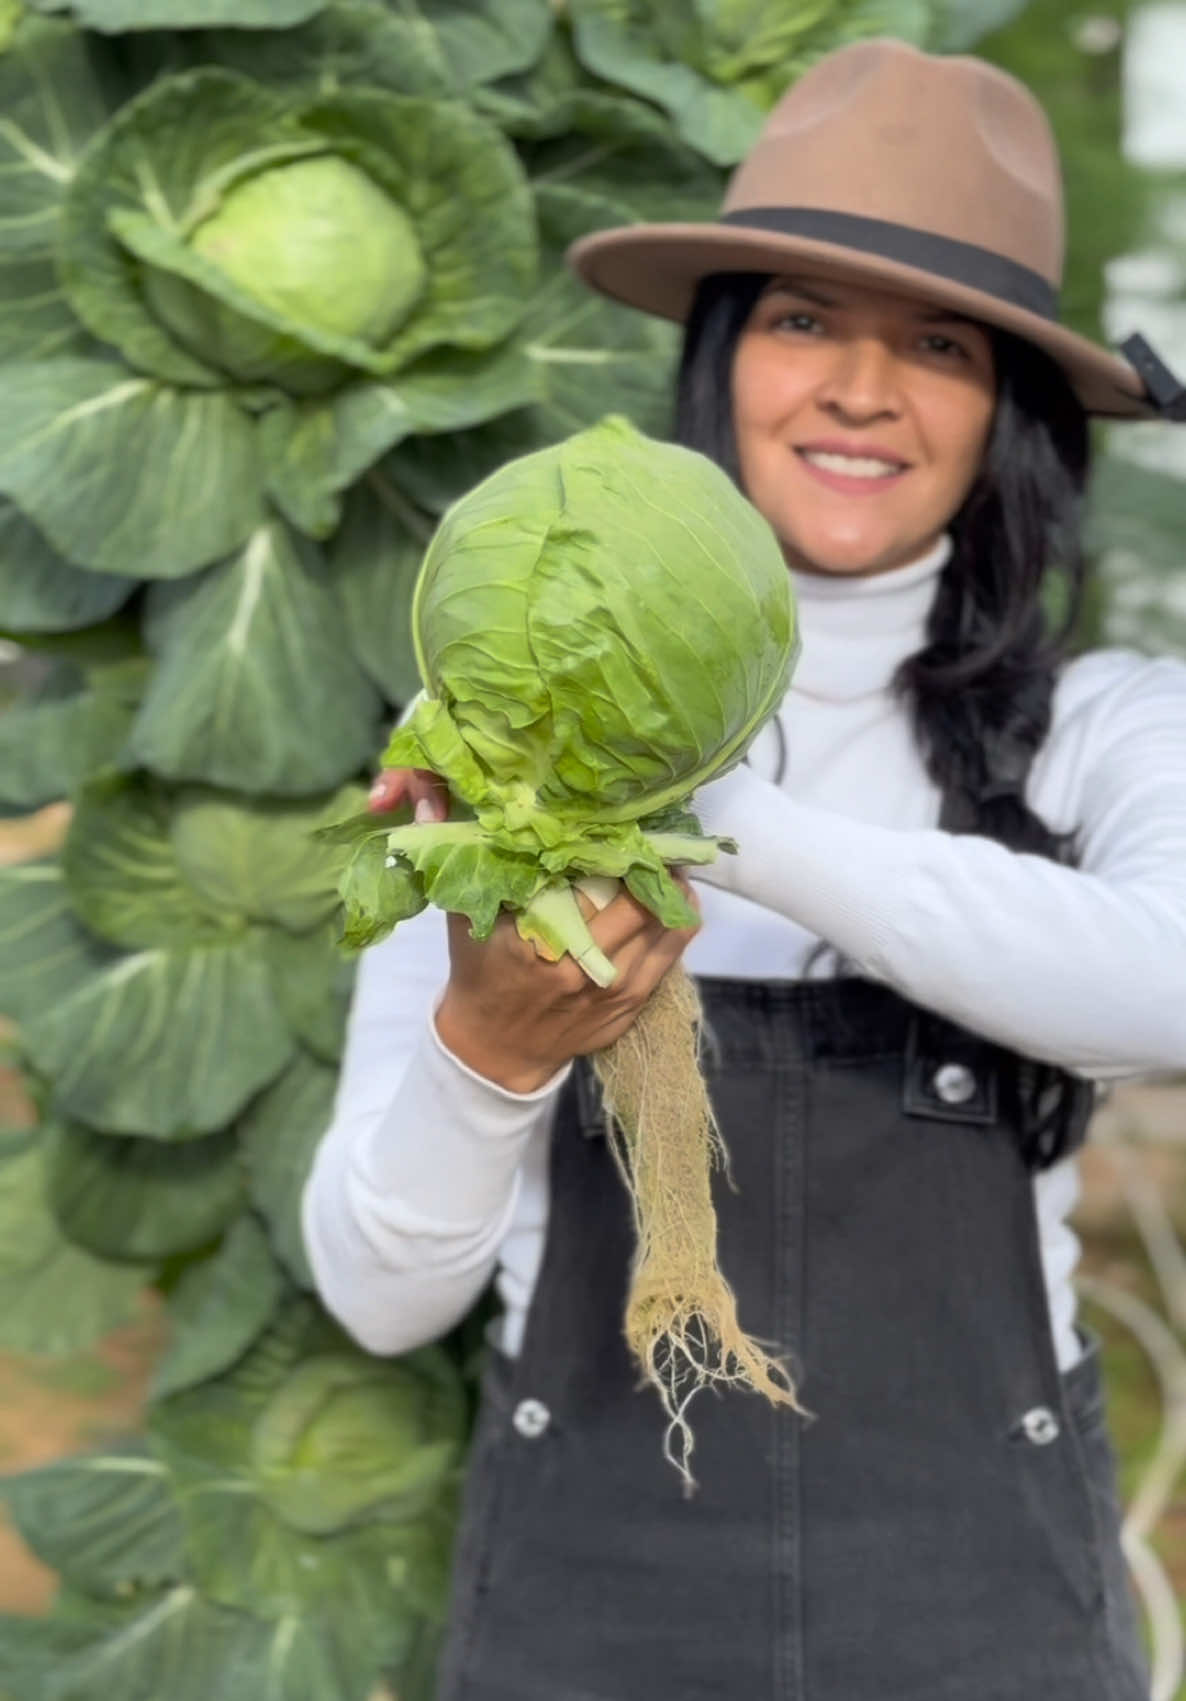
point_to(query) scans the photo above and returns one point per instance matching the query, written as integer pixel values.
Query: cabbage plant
(718, 68)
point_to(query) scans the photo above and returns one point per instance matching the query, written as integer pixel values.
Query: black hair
(980, 691)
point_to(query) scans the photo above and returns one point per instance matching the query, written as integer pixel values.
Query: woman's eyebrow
(795, 286)
(812, 292)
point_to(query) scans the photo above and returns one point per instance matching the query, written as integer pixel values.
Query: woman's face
(861, 419)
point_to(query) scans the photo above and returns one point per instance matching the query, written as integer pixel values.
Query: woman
(959, 900)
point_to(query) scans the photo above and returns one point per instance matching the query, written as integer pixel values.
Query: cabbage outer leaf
(126, 1198)
(106, 1521)
(167, 1043)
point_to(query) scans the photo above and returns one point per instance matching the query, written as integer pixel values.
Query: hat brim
(656, 267)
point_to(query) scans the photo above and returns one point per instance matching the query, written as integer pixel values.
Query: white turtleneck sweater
(431, 1178)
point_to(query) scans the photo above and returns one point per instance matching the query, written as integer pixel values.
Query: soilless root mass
(681, 1314)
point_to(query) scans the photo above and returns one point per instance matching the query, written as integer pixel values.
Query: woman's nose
(862, 381)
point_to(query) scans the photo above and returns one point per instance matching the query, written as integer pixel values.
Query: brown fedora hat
(932, 176)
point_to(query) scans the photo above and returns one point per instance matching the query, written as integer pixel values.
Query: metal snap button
(531, 1418)
(954, 1083)
(1040, 1426)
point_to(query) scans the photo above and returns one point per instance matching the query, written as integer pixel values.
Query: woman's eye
(796, 322)
(937, 344)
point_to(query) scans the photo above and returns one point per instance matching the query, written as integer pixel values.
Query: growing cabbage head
(220, 230)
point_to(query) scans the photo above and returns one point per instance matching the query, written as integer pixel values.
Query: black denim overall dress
(945, 1527)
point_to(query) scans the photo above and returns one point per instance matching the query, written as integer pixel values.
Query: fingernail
(377, 792)
(425, 813)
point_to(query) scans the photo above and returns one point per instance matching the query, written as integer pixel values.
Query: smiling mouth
(866, 468)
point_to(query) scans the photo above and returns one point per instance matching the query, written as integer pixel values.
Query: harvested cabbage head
(601, 627)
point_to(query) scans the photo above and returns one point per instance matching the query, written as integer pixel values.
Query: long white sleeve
(415, 1183)
(1083, 967)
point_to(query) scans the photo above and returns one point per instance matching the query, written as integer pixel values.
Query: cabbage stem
(554, 924)
(688, 847)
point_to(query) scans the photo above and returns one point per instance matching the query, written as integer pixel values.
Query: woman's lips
(864, 483)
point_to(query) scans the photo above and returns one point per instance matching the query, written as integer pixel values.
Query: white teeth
(852, 466)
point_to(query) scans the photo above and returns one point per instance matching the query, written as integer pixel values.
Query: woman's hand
(516, 1019)
(424, 790)
(509, 1014)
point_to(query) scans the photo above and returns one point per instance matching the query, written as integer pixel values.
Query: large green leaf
(595, 356)
(314, 450)
(166, 1043)
(218, 1309)
(100, 657)
(620, 161)
(50, 744)
(259, 860)
(176, 1644)
(36, 321)
(475, 41)
(349, 42)
(42, 592)
(256, 689)
(32, 1650)
(623, 41)
(107, 1522)
(53, 101)
(124, 1197)
(591, 355)
(427, 473)
(376, 897)
(44, 954)
(540, 100)
(374, 561)
(118, 471)
(124, 874)
(55, 1298)
(436, 47)
(116, 15)
(312, 981)
(280, 1131)
(717, 70)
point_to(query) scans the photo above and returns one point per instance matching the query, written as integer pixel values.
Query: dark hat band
(958, 262)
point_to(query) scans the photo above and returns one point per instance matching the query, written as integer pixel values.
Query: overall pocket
(1084, 1394)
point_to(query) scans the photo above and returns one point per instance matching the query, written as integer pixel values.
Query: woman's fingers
(388, 790)
(626, 919)
(424, 790)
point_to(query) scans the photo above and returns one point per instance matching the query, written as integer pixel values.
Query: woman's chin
(851, 558)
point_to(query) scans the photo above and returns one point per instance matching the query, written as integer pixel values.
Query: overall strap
(1055, 1106)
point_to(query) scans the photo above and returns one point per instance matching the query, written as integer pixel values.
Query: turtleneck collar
(856, 630)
